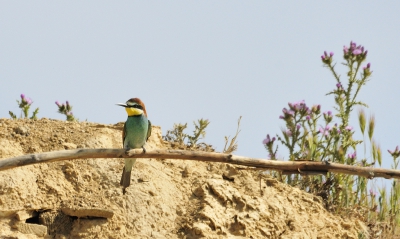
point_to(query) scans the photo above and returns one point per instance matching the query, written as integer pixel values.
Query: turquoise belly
(135, 131)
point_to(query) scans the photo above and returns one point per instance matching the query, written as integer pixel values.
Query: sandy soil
(167, 198)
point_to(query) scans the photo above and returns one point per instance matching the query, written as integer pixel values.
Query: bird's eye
(138, 107)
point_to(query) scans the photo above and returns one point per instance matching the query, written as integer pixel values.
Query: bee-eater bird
(137, 130)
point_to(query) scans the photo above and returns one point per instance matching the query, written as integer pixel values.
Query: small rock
(88, 212)
(28, 228)
(23, 215)
(187, 171)
(21, 130)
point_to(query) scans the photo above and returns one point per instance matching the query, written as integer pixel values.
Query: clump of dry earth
(167, 198)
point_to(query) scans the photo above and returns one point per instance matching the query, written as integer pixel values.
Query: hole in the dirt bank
(34, 219)
(55, 221)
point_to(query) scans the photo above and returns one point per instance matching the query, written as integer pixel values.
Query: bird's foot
(144, 149)
(127, 150)
(123, 191)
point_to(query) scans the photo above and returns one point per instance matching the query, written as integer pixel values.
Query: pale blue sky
(196, 59)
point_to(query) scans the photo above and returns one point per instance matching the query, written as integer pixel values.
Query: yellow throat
(133, 111)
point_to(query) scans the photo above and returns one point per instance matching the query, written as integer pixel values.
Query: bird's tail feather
(125, 179)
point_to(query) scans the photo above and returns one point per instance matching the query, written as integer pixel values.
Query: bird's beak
(121, 104)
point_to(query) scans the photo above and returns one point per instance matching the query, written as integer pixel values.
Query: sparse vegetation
(233, 145)
(66, 109)
(180, 139)
(311, 135)
(25, 105)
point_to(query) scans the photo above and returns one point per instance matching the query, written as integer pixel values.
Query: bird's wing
(123, 135)
(148, 131)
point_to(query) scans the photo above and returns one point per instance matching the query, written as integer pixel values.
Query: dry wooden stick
(287, 167)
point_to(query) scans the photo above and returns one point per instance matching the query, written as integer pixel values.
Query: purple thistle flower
(326, 54)
(289, 132)
(396, 151)
(372, 193)
(352, 156)
(357, 51)
(266, 140)
(308, 117)
(22, 96)
(365, 53)
(29, 101)
(349, 128)
(345, 49)
(338, 85)
(323, 57)
(67, 103)
(281, 117)
(327, 128)
(331, 54)
(298, 126)
(273, 139)
(324, 131)
(58, 103)
(316, 108)
(369, 65)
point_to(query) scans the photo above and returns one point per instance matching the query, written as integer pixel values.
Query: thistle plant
(25, 105)
(311, 134)
(66, 109)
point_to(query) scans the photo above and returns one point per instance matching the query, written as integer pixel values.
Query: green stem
(334, 72)
(359, 87)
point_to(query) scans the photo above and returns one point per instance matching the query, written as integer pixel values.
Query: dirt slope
(167, 198)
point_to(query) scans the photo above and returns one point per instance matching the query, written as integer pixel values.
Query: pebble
(21, 130)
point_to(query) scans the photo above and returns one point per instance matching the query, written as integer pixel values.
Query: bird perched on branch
(137, 130)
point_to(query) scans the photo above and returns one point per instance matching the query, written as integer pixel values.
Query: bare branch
(286, 167)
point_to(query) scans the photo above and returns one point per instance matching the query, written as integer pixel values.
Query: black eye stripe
(135, 106)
